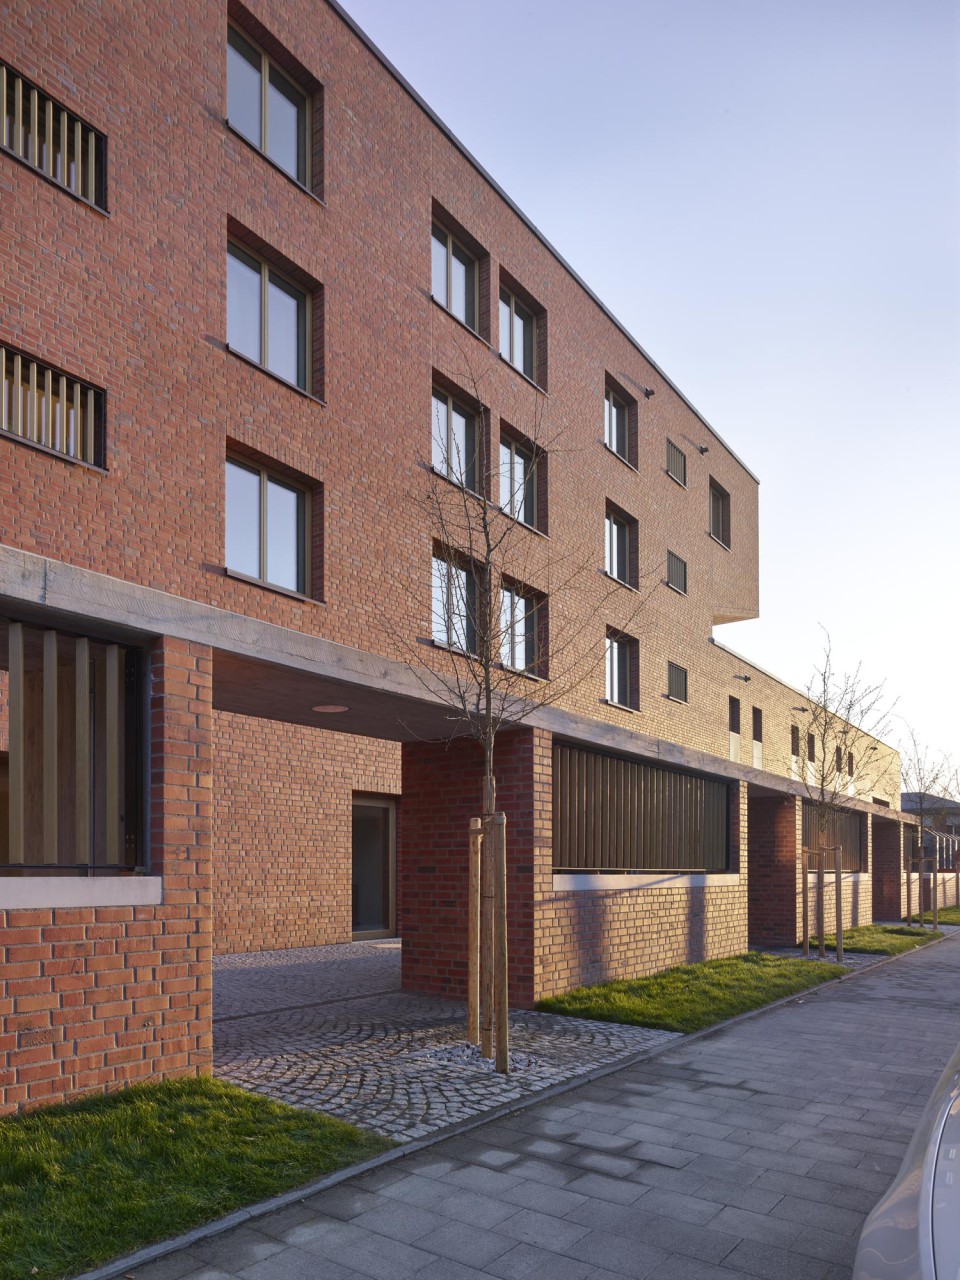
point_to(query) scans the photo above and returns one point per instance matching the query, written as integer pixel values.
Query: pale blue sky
(767, 194)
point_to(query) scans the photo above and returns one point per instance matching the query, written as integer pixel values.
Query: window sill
(273, 164)
(530, 528)
(626, 461)
(719, 542)
(474, 333)
(673, 588)
(270, 586)
(683, 702)
(619, 706)
(532, 381)
(451, 648)
(442, 475)
(277, 377)
(521, 671)
(54, 453)
(676, 479)
(63, 892)
(619, 581)
(52, 182)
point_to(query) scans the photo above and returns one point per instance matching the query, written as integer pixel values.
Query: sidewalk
(753, 1151)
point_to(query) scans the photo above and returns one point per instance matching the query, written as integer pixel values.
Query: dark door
(374, 824)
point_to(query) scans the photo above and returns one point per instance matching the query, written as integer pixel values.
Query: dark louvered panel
(841, 827)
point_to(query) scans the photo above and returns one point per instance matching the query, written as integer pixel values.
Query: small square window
(454, 277)
(267, 317)
(267, 519)
(267, 108)
(454, 609)
(719, 513)
(622, 670)
(455, 441)
(676, 573)
(518, 334)
(676, 682)
(676, 463)
(518, 481)
(519, 626)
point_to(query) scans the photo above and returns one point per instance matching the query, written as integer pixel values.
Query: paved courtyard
(328, 1028)
(756, 1151)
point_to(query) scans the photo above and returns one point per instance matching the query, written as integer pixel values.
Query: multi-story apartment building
(256, 301)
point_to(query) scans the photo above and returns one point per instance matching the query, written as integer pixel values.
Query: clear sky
(767, 194)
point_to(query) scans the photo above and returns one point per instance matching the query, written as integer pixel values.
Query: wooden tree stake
(473, 931)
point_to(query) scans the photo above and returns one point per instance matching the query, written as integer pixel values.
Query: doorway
(374, 867)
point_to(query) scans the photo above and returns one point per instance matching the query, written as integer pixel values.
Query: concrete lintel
(588, 882)
(55, 892)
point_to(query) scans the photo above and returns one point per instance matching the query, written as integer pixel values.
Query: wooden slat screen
(50, 409)
(843, 828)
(614, 814)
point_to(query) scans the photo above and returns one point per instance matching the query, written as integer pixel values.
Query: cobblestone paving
(298, 1026)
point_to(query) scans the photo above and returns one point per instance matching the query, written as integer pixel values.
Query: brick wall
(95, 998)
(282, 830)
(774, 836)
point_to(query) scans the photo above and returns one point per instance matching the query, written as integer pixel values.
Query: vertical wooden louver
(614, 814)
(842, 828)
(51, 139)
(49, 408)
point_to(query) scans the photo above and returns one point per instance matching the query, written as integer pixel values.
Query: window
(757, 724)
(454, 605)
(850, 763)
(676, 682)
(811, 748)
(719, 513)
(617, 552)
(454, 277)
(622, 670)
(454, 440)
(518, 482)
(518, 629)
(42, 406)
(52, 139)
(517, 334)
(676, 463)
(794, 740)
(266, 527)
(734, 715)
(267, 317)
(266, 107)
(676, 573)
(839, 761)
(615, 423)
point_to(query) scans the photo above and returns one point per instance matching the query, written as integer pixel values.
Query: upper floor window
(454, 604)
(454, 277)
(518, 629)
(733, 714)
(267, 520)
(676, 463)
(518, 481)
(518, 339)
(794, 740)
(455, 442)
(622, 670)
(267, 317)
(52, 139)
(620, 560)
(267, 108)
(615, 423)
(42, 406)
(676, 682)
(676, 573)
(719, 513)
(811, 748)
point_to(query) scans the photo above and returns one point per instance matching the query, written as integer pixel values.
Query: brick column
(441, 792)
(889, 889)
(775, 884)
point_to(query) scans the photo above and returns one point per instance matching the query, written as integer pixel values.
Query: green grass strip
(881, 939)
(694, 996)
(86, 1182)
(945, 915)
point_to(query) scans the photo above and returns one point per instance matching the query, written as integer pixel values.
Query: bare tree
(932, 779)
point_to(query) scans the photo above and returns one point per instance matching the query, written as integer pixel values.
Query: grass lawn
(884, 939)
(945, 915)
(86, 1182)
(694, 996)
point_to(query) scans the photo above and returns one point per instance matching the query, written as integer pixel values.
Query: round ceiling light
(330, 708)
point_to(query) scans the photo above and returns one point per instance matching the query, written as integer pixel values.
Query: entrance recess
(374, 867)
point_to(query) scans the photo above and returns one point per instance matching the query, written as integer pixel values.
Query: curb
(240, 1217)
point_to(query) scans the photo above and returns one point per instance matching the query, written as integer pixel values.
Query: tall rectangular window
(266, 527)
(676, 463)
(454, 440)
(794, 740)
(518, 629)
(51, 139)
(615, 424)
(518, 481)
(757, 724)
(266, 107)
(454, 276)
(811, 748)
(733, 716)
(454, 605)
(676, 682)
(622, 684)
(719, 513)
(617, 562)
(267, 317)
(42, 406)
(676, 573)
(518, 341)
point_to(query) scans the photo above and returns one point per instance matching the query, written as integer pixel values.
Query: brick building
(254, 290)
